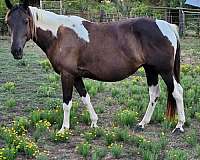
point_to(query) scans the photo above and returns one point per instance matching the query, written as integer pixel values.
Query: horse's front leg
(79, 85)
(67, 87)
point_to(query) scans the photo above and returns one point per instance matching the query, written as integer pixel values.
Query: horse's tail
(171, 103)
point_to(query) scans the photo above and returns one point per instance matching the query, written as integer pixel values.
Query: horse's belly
(107, 74)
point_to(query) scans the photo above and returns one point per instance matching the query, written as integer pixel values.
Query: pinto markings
(168, 30)
(50, 21)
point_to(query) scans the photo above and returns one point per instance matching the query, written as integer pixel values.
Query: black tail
(171, 103)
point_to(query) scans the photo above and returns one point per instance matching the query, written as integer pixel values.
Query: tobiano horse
(78, 48)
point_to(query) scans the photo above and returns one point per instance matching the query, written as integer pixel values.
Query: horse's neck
(44, 39)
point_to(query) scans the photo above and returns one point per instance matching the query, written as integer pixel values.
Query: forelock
(17, 7)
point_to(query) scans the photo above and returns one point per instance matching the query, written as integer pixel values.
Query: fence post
(41, 4)
(102, 15)
(198, 25)
(181, 22)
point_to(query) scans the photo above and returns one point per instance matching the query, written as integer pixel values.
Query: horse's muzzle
(17, 53)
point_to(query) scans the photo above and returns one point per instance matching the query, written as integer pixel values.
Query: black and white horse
(108, 52)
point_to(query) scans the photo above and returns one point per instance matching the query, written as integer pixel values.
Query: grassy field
(31, 113)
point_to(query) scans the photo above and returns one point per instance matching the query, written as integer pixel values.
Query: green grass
(31, 91)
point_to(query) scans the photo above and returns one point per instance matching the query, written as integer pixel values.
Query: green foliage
(83, 149)
(116, 150)
(8, 153)
(126, 118)
(42, 125)
(99, 153)
(89, 135)
(21, 124)
(10, 103)
(198, 150)
(121, 134)
(61, 136)
(109, 137)
(191, 138)
(45, 90)
(46, 65)
(176, 154)
(18, 143)
(9, 86)
(85, 117)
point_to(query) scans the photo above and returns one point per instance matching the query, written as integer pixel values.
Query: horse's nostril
(19, 50)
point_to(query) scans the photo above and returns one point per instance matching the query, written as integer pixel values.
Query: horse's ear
(9, 4)
(25, 4)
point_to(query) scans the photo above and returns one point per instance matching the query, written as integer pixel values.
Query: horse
(108, 52)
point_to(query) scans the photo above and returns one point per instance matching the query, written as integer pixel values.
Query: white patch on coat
(168, 30)
(50, 21)
(93, 115)
(154, 93)
(66, 118)
(178, 96)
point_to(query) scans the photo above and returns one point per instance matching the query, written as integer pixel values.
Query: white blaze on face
(50, 21)
(168, 31)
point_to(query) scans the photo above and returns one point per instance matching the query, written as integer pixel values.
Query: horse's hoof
(63, 129)
(178, 131)
(94, 125)
(138, 128)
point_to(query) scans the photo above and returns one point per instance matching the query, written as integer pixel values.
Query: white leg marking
(66, 119)
(178, 96)
(154, 93)
(93, 115)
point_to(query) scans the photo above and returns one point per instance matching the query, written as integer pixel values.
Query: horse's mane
(50, 21)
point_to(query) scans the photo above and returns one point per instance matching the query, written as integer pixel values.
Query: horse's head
(19, 20)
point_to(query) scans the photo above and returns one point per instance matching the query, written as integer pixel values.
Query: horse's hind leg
(175, 100)
(79, 85)
(154, 93)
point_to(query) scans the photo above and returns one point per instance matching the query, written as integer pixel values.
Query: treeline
(122, 6)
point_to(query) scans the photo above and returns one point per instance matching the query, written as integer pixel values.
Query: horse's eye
(26, 21)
